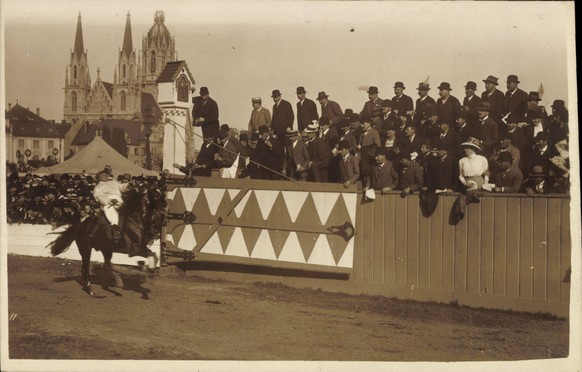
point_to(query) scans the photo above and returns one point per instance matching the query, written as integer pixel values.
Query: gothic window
(124, 72)
(153, 63)
(74, 72)
(74, 101)
(123, 100)
(131, 71)
(183, 88)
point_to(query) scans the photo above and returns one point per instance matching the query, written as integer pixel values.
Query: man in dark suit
(494, 97)
(375, 102)
(411, 144)
(447, 106)
(508, 178)
(471, 102)
(542, 153)
(369, 141)
(515, 98)
(486, 130)
(205, 114)
(464, 132)
(227, 152)
(447, 139)
(383, 176)
(423, 103)
(283, 115)
(442, 171)
(297, 157)
(319, 155)
(533, 109)
(410, 178)
(401, 103)
(306, 110)
(349, 165)
(330, 109)
(430, 128)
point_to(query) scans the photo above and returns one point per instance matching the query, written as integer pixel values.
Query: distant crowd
(498, 142)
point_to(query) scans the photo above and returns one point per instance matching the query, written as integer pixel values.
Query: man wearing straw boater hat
(515, 98)
(473, 168)
(306, 110)
(423, 103)
(319, 155)
(374, 102)
(259, 116)
(447, 105)
(494, 97)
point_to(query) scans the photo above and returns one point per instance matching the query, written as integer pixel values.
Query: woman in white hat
(473, 168)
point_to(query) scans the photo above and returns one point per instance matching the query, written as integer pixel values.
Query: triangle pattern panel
(177, 233)
(278, 239)
(350, 199)
(213, 246)
(170, 239)
(292, 252)
(324, 202)
(263, 248)
(170, 194)
(225, 235)
(190, 195)
(236, 247)
(294, 201)
(266, 199)
(321, 254)
(279, 217)
(214, 199)
(176, 204)
(201, 209)
(238, 210)
(187, 241)
(347, 259)
(201, 232)
(233, 193)
(308, 215)
(252, 211)
(250, 236)
(339, 216)
(307, 243)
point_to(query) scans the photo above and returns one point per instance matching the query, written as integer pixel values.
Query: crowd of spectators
(497, 142)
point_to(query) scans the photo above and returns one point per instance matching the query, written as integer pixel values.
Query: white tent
(93, 158)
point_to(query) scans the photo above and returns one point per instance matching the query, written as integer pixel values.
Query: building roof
(127, 42)
(132, 129)
(79, 48)
(108, 88)
(148, 101)
(27, 124)
(63, 128)
(172, 70)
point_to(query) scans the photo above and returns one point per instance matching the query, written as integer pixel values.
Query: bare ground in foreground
(190, 318)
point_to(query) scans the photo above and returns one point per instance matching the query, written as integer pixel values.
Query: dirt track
(186, 318)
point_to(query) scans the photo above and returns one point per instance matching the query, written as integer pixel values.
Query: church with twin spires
(134, 80)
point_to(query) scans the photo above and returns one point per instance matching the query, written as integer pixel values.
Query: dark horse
(142, 215)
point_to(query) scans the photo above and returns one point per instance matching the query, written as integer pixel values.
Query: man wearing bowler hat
(557, 124)
(297, 157)
(533, 108)
(205, 114)
(283, 115)
(330, 109)
(515, 98)
(259, 116)
(508, 178)
(487, 129)
(423, 103)
(383, 176)
(494, 97)
(306, 109)
(375, 102)
(447, 105)
(401, 103)
(471, 102)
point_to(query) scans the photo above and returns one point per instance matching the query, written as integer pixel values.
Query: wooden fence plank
(424, 251)
(500, 225)
(473, 217)
(553, 278)
(526, 248)
(565, 250)
(436, 245)
(487, 232)
(358, 273)
(370, 232)
(412, 240)
(400, 235)
(540, 245)
(378, 243)
(460, 263)
(513, 238)
(389, 239)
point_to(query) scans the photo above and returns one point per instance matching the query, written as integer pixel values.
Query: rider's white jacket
(106, 191)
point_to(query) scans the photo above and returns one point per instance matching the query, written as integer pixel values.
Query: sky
(240, 50)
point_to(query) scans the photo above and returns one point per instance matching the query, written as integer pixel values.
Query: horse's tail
(65, 239)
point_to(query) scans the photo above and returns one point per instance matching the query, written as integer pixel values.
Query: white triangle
(213, 245)
(187, 240)
(241, 205)
(233, 193)
(294, 201)
(170, 194)
(190, 194)
(214, 198)
(347, 259)
(237, 246)
(170, 238)
(321, 254)
(324, 203)
(266, 199)
(350, 200)
(264, 247)
(291, 251)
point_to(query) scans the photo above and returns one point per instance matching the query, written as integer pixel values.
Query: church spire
(79, 48)
(127, 43)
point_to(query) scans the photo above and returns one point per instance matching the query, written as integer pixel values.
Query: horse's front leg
(107, 255)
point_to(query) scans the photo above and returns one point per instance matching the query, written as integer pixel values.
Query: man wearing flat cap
(401, 103)
(447, 105)
(330, 109)
(205, 114)
(306, 110)
(374, 102)
(471, 102)
(515, 98)
(259, 116)
(283, 115)
(494, 97)
(423, 103)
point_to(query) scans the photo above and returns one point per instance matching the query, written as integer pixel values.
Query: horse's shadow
(127, 279)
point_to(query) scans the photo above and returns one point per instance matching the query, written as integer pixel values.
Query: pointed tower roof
(79, 47)
(127, 42)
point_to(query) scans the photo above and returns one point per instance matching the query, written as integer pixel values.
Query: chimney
(38, 111)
